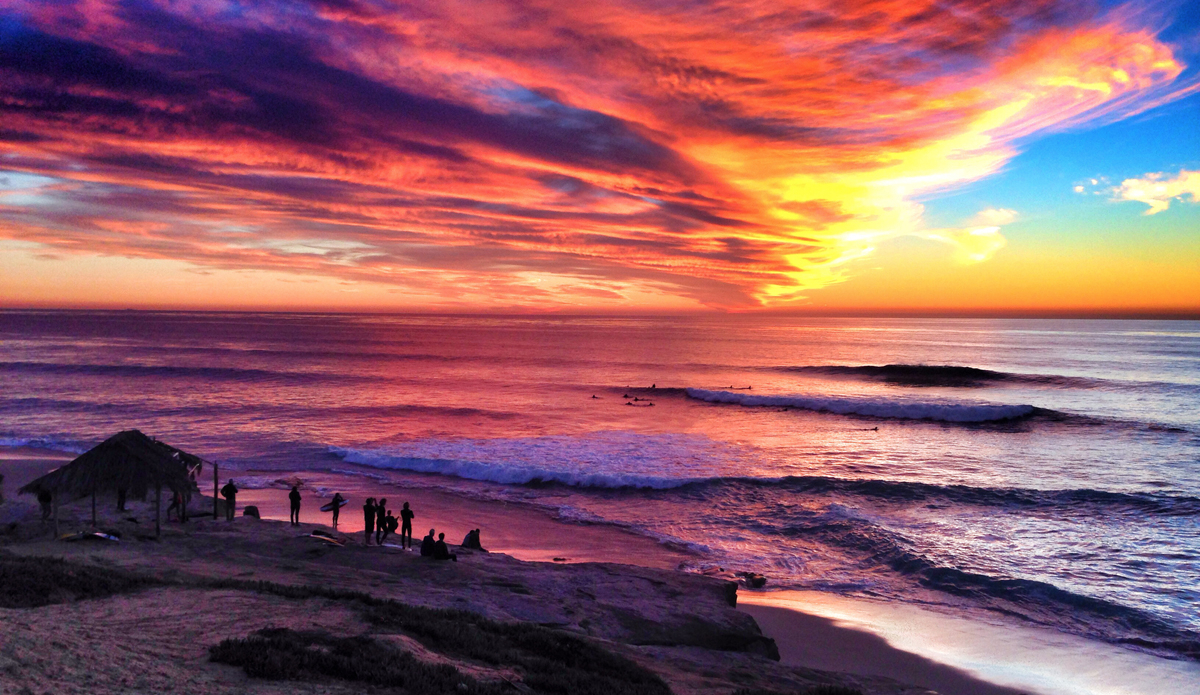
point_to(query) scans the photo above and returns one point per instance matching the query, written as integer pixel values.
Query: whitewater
(1038, 471)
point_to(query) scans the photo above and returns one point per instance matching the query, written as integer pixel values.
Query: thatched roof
(127, 460)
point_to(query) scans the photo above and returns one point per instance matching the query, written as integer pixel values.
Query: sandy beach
(594, 580)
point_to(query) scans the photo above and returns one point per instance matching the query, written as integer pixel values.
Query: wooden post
(158, 511)
(93, 507)
(215, 478)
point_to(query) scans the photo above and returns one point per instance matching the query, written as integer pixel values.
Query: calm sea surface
(1033, 470)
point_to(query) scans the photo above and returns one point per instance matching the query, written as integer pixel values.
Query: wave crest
(875, 407)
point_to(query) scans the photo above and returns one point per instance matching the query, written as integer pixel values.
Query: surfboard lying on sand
(90, 536)
(323, 536)
(329, 506)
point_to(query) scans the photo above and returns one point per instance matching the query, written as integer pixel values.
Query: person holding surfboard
(338, 501)
(369, 519)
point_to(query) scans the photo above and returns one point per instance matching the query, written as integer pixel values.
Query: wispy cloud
(735, 154)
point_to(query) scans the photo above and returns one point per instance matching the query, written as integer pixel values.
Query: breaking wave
(941, 375)
(944, 411)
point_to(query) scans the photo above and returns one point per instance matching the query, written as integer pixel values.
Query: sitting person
(441, 551)
(471, 541)
(427, 544)
(390, 524)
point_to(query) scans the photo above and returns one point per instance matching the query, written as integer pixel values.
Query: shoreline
(955, 653)
(812, 632)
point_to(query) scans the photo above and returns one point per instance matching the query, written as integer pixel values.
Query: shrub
(29, 582)
(283, 654)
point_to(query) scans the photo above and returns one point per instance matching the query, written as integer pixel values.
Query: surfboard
(327, 539)
(329, 506)
(90, 535)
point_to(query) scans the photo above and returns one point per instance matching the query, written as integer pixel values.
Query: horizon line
(882, 313)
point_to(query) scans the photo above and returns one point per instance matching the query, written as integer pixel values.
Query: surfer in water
(294, 496)
(229, 492)
(337, 506)
(380, 520)
(406, 517)
(369, 519)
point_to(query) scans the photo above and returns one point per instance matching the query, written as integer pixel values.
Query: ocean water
(1039, 471)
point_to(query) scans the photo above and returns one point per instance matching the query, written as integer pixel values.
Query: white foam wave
(945, 411)
(50, 443)
(601, 460)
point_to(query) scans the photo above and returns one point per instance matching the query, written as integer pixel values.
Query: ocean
(1039, 471)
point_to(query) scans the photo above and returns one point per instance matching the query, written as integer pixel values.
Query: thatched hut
(128, 461)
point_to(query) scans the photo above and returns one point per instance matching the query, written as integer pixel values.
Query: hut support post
(56, 493)
(158, 511)
(93, 508)
(215, 478)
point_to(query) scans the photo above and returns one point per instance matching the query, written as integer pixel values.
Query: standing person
(229, 492)
(369, 519)
(337, 506)
(406, 517)
(294, 496)
(175, 506)
(44, 498)
(380, 520)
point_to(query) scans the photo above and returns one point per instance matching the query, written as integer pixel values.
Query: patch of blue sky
(1040, 182)
(21, 181)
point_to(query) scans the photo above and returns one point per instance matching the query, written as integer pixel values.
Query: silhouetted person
(390, 524)
(45, 499)
(337, 507)
(120, 499)
(427, 544)
(406, 517)
(229, 492)
(175, 506)
(472, 542)
(441, 551)
(380, 520)
(294, 497)
(369, 520)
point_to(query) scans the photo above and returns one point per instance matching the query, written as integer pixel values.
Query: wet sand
(955, 654)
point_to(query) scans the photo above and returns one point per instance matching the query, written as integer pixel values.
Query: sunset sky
(901, 155)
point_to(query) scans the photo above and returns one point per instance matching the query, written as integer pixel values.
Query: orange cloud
(734, 154)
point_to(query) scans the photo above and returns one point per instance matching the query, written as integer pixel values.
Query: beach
(679, 624)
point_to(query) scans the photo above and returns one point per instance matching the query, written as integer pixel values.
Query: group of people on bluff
(378, 522)
(378, 519)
